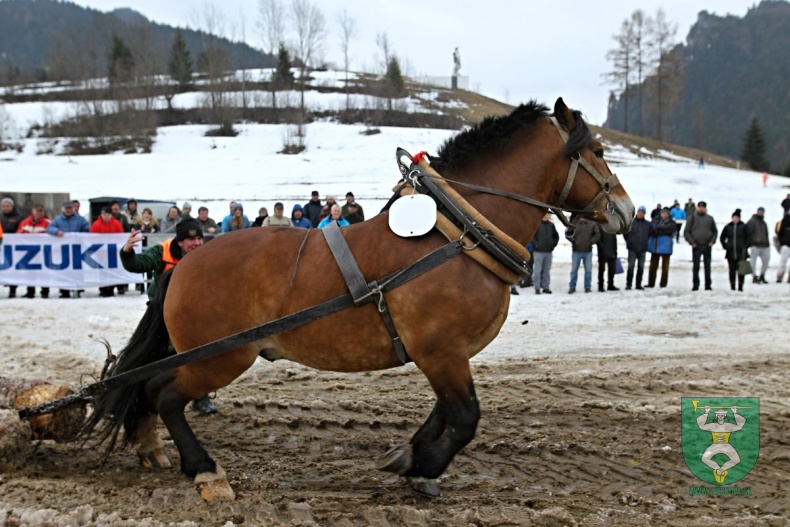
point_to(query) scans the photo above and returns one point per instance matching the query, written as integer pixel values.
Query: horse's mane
(493, 134)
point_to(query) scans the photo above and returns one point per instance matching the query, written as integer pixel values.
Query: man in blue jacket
(636, 243)
(660, 245)
(68, 221)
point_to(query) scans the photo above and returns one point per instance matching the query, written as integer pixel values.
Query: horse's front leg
(449, 428)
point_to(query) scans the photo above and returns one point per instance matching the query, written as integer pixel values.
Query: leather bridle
(606, 187)
(412, 172)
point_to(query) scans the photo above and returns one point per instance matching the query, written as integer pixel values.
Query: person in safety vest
(161, 258)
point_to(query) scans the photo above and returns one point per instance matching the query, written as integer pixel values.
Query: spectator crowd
(114, 219)
(747, 245)
(747, 248)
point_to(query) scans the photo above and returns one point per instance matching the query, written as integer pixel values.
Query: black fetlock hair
(123, 407)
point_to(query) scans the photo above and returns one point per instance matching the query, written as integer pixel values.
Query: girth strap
(361, 291)
(352, 274)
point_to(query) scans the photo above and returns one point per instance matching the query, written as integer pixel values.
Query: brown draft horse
(444, 317)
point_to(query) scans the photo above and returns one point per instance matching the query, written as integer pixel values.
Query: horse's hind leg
(450, 427)
(150, 448)
(195, 460)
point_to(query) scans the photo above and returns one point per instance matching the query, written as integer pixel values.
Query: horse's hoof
(397, 459)
(427, 488)
(155, 459)
(214, 486)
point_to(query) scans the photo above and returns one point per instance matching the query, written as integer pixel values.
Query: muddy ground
(582, 440)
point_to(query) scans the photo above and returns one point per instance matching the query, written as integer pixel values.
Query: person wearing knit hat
(130, 212)
(660, 245)
(735, 240)
(186, 210)
(161, 258)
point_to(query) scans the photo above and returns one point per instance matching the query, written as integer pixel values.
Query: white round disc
(413, 215)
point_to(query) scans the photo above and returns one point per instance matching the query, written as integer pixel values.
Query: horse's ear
(563, 114)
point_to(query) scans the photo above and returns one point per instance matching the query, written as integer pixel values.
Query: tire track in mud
(562, 441)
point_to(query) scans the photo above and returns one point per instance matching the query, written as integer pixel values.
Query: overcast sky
(512, 50)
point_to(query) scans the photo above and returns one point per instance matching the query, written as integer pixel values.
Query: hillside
(734, 69)
(53, 40)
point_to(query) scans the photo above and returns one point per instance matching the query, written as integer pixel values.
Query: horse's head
(590, 185)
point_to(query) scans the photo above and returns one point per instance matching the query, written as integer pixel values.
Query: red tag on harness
(419, 156)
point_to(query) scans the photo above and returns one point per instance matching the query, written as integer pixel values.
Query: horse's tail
(123, 407)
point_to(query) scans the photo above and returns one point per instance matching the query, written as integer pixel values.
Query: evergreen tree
(283, 76)
(121, 62)
(394, 86)
(180, 66)
(394, 79)
(753, 152)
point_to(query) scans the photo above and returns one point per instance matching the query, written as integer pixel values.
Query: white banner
(74, 261)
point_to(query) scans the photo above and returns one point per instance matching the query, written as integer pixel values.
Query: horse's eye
(599, 153)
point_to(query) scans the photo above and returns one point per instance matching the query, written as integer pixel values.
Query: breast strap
(361, 290)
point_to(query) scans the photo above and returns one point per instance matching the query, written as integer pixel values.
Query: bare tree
(241, 59)
(216, 63)
(641, 26)
(310, 29)
(666, 66)
(622, 58)
(383, 43)
(271, 27)
(348, 32)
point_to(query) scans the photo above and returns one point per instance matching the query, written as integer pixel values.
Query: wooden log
(60, 426)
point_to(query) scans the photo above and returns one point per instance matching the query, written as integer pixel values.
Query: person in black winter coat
(312, 209)
(636, 243)
(607, 256)
(543, 244)
(735, 240)
(760, 245)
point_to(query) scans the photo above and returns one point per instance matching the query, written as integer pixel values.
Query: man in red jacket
(106, 224)
(36, 223)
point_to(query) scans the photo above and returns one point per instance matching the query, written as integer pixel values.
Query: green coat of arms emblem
(721, 437)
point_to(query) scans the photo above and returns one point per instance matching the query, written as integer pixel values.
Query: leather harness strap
(361, 291)
(356, 283)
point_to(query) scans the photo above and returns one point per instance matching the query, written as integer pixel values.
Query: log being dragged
(60, 426)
